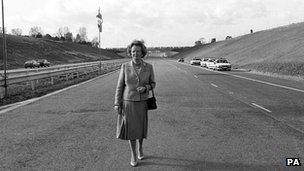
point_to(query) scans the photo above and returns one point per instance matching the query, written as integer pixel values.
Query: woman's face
(136, 53)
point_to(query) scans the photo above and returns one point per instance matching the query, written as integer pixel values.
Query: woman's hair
(137, 43)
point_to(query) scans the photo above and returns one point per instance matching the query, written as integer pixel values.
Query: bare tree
(64, 33)
(202, 40)
(77, 39)
(36, 32)
(59, 33)
(17, 31)
(95, 42)
(83, 34)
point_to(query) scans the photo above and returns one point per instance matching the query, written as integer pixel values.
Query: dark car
(31, 64)
(180, 60)
(43, 63)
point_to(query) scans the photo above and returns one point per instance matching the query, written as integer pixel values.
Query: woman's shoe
(133, 163)
(140, 157)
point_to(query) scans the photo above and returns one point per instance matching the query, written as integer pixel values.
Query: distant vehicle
(31, 64)
(209, 63)
(43, 63)
(204, 61)
(180, 60)
(195, 61)
(221, 65)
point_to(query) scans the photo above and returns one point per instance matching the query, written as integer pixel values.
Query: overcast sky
(158, 22)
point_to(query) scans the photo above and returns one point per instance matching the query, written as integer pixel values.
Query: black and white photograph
(210, 85)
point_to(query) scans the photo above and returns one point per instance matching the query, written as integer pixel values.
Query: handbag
(151, 102)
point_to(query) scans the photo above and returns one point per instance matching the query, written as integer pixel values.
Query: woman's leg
(140, 148)
(133, 150)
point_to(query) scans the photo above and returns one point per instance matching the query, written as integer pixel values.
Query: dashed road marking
(261, 107)
(214, 85)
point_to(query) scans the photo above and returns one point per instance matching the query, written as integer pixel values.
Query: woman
(136, 79)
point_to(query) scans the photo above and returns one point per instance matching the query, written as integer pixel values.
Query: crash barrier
(32, 76)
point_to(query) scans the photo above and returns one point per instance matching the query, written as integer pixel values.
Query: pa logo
(293, 162)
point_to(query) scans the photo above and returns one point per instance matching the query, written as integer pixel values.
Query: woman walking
(136, 79)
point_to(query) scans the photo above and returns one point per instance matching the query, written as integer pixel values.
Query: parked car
(204, 61)
(210, 63)
(221, 64)
(31, 64)
(195, 61)
(43, 63)
(180, 60)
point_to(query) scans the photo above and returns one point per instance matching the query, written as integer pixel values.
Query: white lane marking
(264, 82)
(261, 107)
(214, 85)
(272, 84)
(23, 103)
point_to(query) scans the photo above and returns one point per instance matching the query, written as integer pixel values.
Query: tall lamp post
(4, 52)
(99, 24)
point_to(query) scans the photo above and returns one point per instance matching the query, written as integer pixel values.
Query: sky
(157, 22)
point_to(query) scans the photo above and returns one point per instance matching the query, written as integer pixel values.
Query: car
(209, 63)
(31, 64)
(203, 62)
(180, 60)
(221, 65)
(43, 63)
(195, 61)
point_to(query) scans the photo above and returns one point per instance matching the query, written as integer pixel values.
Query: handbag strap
(152, 90)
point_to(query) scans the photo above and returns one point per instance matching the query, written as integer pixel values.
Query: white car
(221, 64)
(195, 61)
(210, 63)
(204, 62)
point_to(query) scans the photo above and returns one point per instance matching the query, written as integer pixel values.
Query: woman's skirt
(132, 124)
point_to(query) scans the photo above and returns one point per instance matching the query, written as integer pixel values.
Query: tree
(64, 33)
(17, 31)
(202, 40)
(82, 32)
(36, 32)
(68, 36)
(77, 39)
(47, 36)
(59, 33)
(198, 43)
(95, 42)
(228, 37)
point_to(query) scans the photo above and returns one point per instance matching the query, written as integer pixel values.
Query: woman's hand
(118, 109)
(141, 89)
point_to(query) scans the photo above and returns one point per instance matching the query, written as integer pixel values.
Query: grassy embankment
(21, 49)
(277, 51)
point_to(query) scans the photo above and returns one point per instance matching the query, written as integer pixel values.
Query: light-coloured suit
(129, 80)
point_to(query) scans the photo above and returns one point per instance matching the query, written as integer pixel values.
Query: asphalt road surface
(205, 120)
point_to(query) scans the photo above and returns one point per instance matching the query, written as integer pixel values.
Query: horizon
(166, 23)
